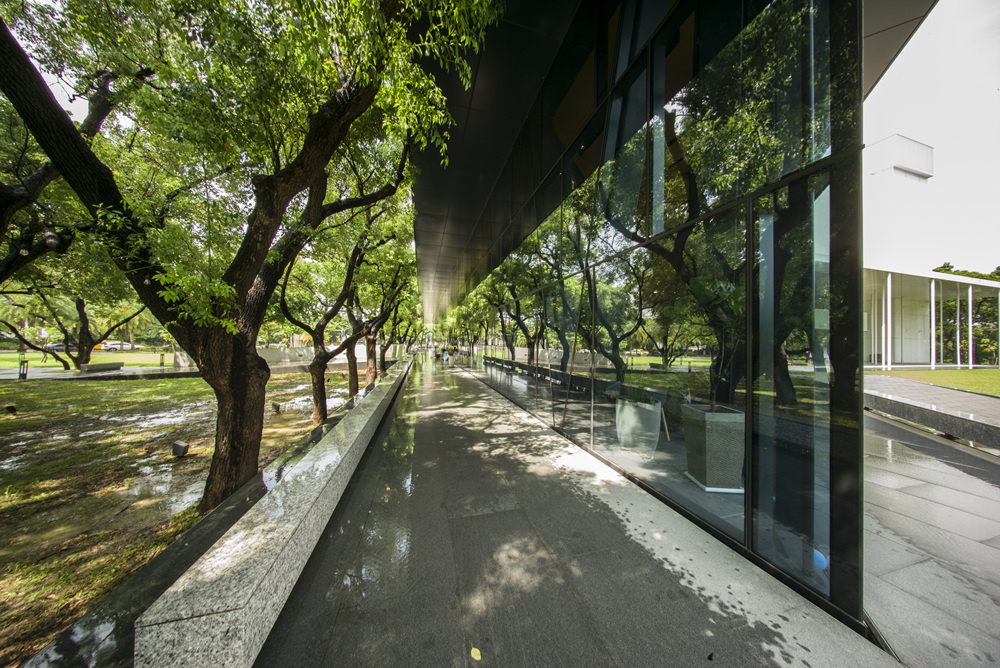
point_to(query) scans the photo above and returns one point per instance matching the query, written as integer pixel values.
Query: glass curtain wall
(686, 302)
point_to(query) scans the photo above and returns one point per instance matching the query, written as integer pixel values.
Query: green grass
(985, 381)
(10, 359)
(81, 500)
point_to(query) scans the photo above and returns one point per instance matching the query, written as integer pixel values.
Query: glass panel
(639, 349)
(670, 396)
(759, 110)
(623, 186)
(627, 14)
(792, 380)
(785, 110)
(649, 16)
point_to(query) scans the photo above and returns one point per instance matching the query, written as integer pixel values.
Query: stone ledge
(220, 611)
(101, 366)
(956, 423)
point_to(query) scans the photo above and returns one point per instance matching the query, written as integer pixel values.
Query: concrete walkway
(474, 535)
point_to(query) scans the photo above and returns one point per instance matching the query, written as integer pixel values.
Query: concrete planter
(714, 444)
(637, 424)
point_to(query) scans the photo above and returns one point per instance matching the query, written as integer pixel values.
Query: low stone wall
(221, 610)
(100, 366)
(286, 355)
(961, 425)
(302, 355)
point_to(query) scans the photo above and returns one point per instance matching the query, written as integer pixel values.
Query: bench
(102, 366)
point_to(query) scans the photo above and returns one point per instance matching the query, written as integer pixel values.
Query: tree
(382, 279)
(496, 295)
(405, 323)
(73, 294)
(984, 320)
(28, 231)
(326, 282)
(265, 97)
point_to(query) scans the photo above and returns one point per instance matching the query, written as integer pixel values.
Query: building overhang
(455, 248)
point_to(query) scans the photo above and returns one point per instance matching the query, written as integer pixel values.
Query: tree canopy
(221, 128)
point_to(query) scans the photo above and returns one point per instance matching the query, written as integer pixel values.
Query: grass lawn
(9, 359)
(985, 381)
(89, 489)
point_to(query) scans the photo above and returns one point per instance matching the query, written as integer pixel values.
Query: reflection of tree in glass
(671, 327)
(710, 259)
(614, 288)
(750, 116)
(558, 244)
(759, 110)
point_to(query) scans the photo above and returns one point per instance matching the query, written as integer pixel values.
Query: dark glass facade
(687, 185)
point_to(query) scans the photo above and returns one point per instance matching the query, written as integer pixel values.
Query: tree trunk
(317, 373)
(381, 355)
(239, 377)
(619, 363)
(352, 370)
(784, 388)
(84, 339)
(371, 358)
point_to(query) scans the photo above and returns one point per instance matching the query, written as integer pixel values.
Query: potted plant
(713, 434)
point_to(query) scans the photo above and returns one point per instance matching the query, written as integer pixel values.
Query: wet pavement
(471, 534)
(932, 546)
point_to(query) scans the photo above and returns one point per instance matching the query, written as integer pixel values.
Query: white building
(900, 326)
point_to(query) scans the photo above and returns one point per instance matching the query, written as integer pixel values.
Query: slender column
(972, 349)
(882, 329)
(874, 311)
(958, 325)
(888, 320)
(941, 320)
(933, 324)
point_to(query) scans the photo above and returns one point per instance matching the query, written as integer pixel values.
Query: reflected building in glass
(665, 265)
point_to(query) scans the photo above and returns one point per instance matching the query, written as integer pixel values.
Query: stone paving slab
(932, 563)
(971, 404)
